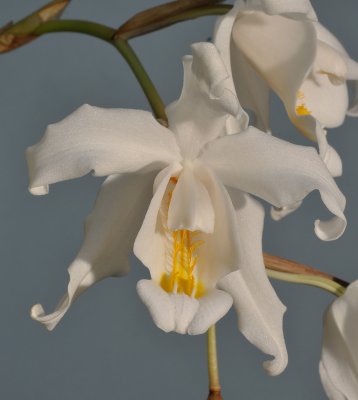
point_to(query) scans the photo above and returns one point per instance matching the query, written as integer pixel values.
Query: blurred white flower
(280, 45)
(200, 241)
(339, 360)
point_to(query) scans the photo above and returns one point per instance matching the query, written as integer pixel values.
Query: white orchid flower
(200, 241)
(339, 360)
(280, 46)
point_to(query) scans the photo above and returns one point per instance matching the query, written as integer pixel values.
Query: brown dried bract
(283, 265)
(153, 18)
(10, 42)
(52, 10)
(17, 34)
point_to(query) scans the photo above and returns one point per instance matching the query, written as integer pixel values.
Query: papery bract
(339, 360)
(200, 241)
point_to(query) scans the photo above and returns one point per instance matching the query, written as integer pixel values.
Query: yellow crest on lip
(183, 259)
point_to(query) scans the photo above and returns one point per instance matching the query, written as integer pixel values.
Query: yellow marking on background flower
(183, 260)
(301, 109)
(300, 95)
(174, 180)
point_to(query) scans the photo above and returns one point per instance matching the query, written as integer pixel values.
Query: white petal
(331, 391)
(181, 313)
(353, 74)
(170, 312)
(339, 359)
(324, 92)
(353, 107)
(190, 206)
(328, 154)
(251, 89)
(312, 128)
(222, 34)
(150, 243)
(159, 304)
(282, 212)
(208, 99)
(284, 62)
(331, 61)
(218, 255)
(211, 73)
(351, 67)
(212, 307)
(109, 235)
(324, 35)
(282, 50)
(327, 37)
(326, 102)
(253, 163)
(290, 7)
(333, 161)
(185, 310)
(104, 141)
(260, 312)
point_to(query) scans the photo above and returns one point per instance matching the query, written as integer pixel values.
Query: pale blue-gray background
(107, 347)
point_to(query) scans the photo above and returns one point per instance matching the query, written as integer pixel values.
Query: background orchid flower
(339, 360)
(280, 46)
(186, 189)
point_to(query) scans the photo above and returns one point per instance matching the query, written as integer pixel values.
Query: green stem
(145, 82)
(77, 26)
(317, 281)
(213, 368)
(120, 42)
(106, 33)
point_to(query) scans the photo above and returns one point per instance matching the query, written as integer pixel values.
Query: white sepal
(207, 101)
(101, 141)
(107, 245)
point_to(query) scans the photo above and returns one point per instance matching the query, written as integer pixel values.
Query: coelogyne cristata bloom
(339, 361)
(280, 45)
(200, 240)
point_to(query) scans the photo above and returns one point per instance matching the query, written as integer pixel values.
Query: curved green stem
(77, 26)
(145, 82)
(119, 39)
(106, 33)
(317, 281)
